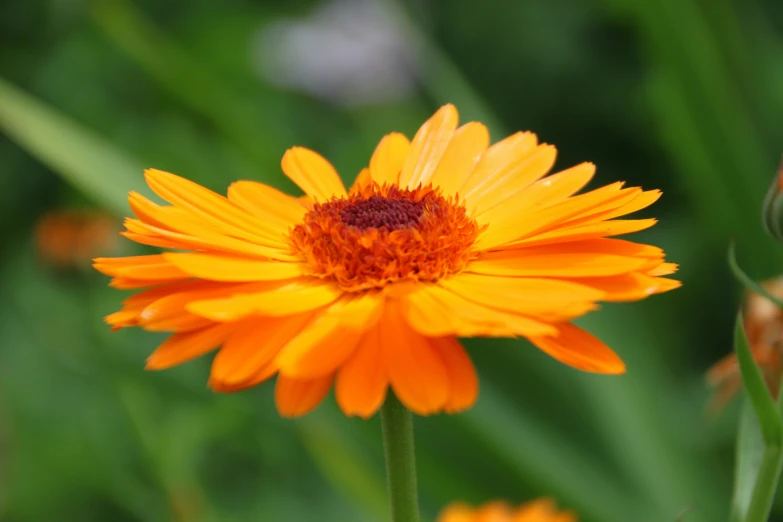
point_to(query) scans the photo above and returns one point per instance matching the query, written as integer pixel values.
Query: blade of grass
(766, 485)
(81, 157)
(763, 404)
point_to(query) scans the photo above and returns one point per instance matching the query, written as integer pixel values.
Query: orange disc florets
(384, 234)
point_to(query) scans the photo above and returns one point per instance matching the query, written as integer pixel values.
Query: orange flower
(441, 237)
(541, 510)
(763, 322)
(68, 238)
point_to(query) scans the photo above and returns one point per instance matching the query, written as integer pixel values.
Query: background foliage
(686, 96)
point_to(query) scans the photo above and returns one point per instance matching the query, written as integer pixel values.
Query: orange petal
(312, 173)
(142, 299)
(361, 181)
(221, 267)
(594, 201)
(214, 209)
(147, 211)
(641, 200)
(434, 311)
(581, 232)
(318, 350)
(166, 312)
(508, 183)
(127, 283)
(153, 267)
(561, 214)
(495, 511)
(183, 322)
(260, 376)
(463, 382)
(266, 202)
(543, 509)
(548, 299)
(416, 372)
(386, 162)
(253, 345)
(275, 299)
(629, 287)
(186, 232)
(361, 382)
(579, 349)
(576, 259)
(331, 338)
(122, 319)
(156, 241)
(664, 269)
(619, 247)
(295, 397)
(726, 368)
(458, 513)
(428, 146)
(503, 162)
(509, 221)
(463, 152)
(183, 347)
(134, 306)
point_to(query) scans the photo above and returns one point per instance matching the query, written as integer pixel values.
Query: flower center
(378, 212)
(385, 234)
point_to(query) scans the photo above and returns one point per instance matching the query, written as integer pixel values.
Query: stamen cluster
(385, 234)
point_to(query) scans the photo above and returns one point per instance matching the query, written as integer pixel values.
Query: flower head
(68, 238)
(440, 237)
(763, 322)
(541, 510)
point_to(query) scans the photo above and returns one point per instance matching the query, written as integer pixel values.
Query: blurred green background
(686, 96)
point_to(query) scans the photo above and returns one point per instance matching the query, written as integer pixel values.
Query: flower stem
(397, 426)
(766, 485)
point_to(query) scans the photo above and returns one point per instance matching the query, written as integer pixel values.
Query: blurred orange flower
(441, 237)
(69, 238)
(541, 510)
(763, 322)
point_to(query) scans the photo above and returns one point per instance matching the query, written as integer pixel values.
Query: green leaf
(763, 403)
(81, 157)
(759, 455)
(750, 451)
(749, 283)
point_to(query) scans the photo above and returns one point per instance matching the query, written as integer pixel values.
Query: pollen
(385, 234)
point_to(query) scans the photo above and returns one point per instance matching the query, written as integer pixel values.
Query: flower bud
(772, 211)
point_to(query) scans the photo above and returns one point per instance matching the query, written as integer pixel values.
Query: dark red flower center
(380, 212)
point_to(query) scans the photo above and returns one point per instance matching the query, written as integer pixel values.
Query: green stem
(397, 426)
(766, 485)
